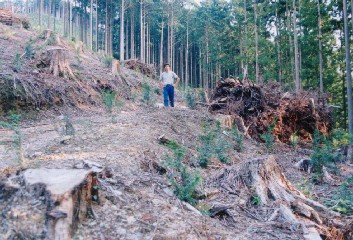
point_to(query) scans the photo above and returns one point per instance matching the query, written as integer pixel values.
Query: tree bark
(141, 32)
(91, 25)
(296, 53)
(187, 54)
(122, 10)
(257, 73)
(349, 77)
(132, 35)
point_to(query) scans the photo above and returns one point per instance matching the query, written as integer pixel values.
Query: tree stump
(116, 67)
(263, 179)
(69, 191)
(46, 203)
(79, 47)
(58, 64)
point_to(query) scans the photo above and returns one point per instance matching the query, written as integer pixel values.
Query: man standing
(167, 81)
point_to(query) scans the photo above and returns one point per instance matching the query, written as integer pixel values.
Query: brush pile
(9, 18)
(258, 107)
(146, 69)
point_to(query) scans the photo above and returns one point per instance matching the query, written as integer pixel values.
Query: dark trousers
(168, 92)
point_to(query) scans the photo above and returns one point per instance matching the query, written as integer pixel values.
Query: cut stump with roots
(264, 180)
(58, 64)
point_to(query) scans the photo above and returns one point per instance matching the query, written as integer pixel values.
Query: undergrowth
(268, 137)
(12, 122)
(324, 153)
(213, 145)
(184, 181)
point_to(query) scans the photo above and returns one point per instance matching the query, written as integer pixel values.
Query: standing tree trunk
(256, 45)
(49, 13)
(40, 13)
(91, 25)
(106, 27)
(132, 35)
(296, 60)
(161, 50)
(320, 47)
(245, 70)
(278, 45)
(349, 77)
(70, 21)
(121, 54)
(187, 54)
(141, 32)
(97, 26)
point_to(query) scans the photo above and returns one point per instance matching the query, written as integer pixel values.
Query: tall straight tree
(320, 48)
(122, 40)
(91, 25)
(40, 15)
(161, 49)
(49, 14)
(348, 75)
(296, 52)
(142, 37)
(257, 71)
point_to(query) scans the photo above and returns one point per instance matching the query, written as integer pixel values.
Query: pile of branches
(291, 115)
(146, 69)
(9, 18)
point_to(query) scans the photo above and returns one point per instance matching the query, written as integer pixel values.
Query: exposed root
(263, 179)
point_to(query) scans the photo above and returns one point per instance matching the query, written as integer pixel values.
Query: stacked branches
(146, 69)
(259, 107)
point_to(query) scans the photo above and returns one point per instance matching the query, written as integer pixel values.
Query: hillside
(138, 154)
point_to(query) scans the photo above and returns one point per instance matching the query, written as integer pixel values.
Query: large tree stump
(58, 64)
(263, 178)
(46, 203)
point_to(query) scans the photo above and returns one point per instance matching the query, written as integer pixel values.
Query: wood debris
(259, 107)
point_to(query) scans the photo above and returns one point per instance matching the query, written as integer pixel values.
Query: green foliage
(323, 155)
(202, 96)
(12, 122)
(190, 99)
(146, 93)
(213, 144)
(108, 60)
(26, 24)
(69, 129)
(109, 99)
(17, 63)
(29, 51)
(238, 139)
(268, 137)
(184, 182)
(53, 39)
(255, 200)
(344, 199)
